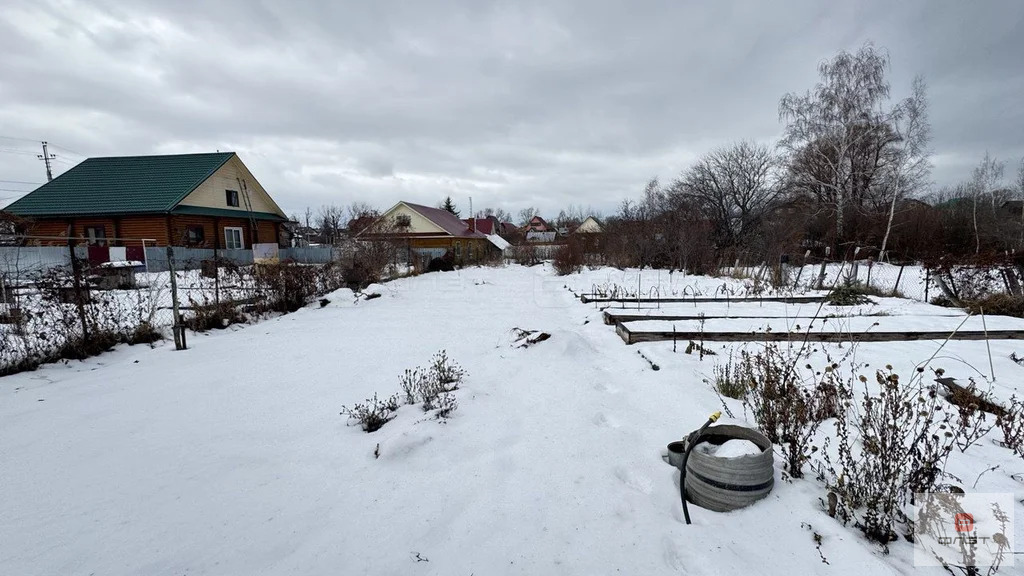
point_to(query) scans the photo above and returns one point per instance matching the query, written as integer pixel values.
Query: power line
(59, 147)
(20, 182)
(19, 139)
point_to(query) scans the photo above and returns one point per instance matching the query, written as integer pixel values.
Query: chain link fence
(74, 301)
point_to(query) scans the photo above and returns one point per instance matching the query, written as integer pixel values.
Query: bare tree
(309, 217)
(331, 221)
(357, 210)
(985, 179)
(1020, 196)
(527, 214)
(734, 186)
(837, 130)
(910, 167)
(499, 213)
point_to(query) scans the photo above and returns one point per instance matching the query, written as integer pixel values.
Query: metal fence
(55, 306)
(25, 261)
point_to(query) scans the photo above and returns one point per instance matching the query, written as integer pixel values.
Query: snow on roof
(122, 264)
(498, 241)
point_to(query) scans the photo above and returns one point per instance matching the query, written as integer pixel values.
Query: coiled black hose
(690, 442)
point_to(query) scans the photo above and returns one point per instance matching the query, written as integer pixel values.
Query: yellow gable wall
(589, 225)
(210, 194)
(418, 223)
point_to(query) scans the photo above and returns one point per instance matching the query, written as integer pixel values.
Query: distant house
(541, 237)
(433, 233)
(508, 229)
(589, 226)
(199, 200)
(538, 224)
(1013, 207)
(302, 236)
(489, 225)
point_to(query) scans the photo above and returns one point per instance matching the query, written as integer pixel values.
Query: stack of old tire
(724, 484)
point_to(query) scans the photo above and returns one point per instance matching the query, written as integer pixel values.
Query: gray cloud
(536, 103)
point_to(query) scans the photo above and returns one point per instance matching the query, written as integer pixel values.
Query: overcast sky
(514, 104)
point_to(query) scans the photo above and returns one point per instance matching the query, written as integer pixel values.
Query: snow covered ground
(231, 457)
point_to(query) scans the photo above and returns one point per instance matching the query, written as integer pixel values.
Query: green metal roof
(226, 213)
(121, 185)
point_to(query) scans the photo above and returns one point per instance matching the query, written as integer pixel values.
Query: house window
(233, 238)
(231, 197)
(403, 221)
(194, 235)
(96, 235)
(458, 250)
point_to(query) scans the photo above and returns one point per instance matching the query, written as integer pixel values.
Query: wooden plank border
(591, 299)
(630, 337)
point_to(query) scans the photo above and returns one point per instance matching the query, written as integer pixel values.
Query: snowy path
(231, 458)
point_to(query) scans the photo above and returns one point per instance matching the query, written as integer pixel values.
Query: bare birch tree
(985, 179)
(910, 167)
(1020, 196)
(827, 126)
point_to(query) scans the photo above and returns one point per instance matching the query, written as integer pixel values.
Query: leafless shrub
(525, 255)
(412, 382)
(786, 403)
(569, 259)
(372, 414)
(211, 316)
(433, 386)
(890, 444)
(1011, 423)
(730, 380)
(446, 371)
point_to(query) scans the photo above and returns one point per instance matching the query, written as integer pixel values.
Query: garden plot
(753, 310)
(835, 329)
(231, 458)
(632, 283)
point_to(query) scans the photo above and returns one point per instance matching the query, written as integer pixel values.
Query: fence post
(216, 275)
(820, 280)
(896, 288)
(177, 328)
(801, 270)
(927, 281)
(76, 279)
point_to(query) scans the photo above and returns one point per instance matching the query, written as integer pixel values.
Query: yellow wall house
(589, 226)
(427, 233)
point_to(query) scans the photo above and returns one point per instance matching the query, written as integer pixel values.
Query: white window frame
(228, 242)
(94, 239)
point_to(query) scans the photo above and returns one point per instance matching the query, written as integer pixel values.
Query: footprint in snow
(604, 421)
(634, 480)
(405, 444)
(673, 554)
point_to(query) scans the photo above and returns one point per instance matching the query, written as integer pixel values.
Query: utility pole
(46, 157)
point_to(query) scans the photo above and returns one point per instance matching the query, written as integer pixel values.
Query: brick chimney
(472, 224)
